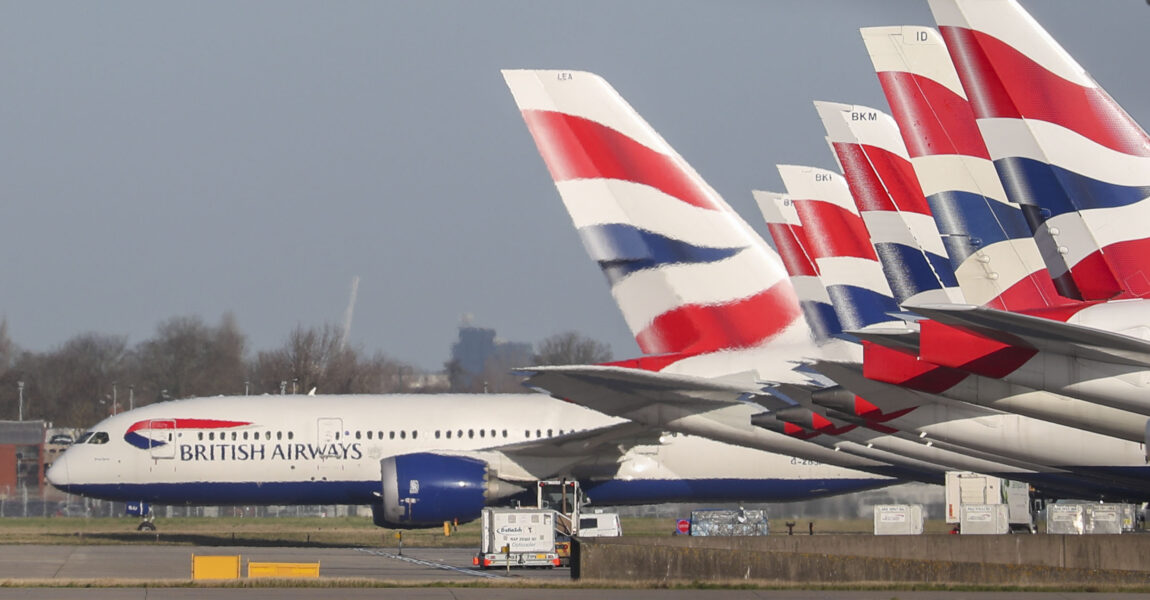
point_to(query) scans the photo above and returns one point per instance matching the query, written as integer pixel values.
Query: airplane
(1067, 354)
(823, 227)
(705, 297)
(417, 460)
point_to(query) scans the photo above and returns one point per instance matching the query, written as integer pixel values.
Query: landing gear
(144, 511)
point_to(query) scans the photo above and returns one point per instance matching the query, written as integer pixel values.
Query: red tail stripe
(744, 323)
(880, 180)
(934, 120)
(833, 231)
(787, 243)
(1003, 82)
(578, 148)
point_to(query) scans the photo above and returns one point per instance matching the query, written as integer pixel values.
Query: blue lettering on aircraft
(287, 452)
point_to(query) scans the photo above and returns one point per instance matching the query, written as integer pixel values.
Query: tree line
(92, 374)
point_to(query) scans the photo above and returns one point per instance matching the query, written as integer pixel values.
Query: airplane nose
(57, 474)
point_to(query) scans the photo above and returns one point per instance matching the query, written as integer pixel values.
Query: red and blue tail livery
(688, 274)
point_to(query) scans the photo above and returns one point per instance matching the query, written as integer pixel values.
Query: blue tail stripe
(624, 249)
(969, 222)
(1061, 191)
(911, 271)
(822, 319)
(858, 307)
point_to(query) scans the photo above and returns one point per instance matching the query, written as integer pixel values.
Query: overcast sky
(163, 159)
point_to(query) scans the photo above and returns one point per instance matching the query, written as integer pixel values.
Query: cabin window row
(245, 435)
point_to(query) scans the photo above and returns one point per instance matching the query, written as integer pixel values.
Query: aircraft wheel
(146, 526)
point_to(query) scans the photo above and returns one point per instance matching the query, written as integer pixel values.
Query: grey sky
(164, 159)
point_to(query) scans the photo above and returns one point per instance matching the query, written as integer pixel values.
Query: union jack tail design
(836, 238)
(790, 240)
(1066, 152)
(689, 275)
(990, 246)
(887, 193)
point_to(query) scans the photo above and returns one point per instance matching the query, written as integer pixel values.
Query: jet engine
(424, 489)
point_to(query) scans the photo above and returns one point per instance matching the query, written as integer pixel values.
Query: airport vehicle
(965, 488)
(415, 468)
(517, 537)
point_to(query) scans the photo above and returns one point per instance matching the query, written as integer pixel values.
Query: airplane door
(162, 438)
(329, 432)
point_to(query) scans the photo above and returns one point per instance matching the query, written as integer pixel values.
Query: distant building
(21, 455)
(478, 349)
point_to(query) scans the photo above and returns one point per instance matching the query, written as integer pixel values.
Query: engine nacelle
(425, 489)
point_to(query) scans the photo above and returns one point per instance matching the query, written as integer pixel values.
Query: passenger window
(403, 435)
(482, 433)
(268, 435)
(538, 433)
(356, 434)
(548, 433)
(199, 436)
(391, 435)
(470, 433)
(437, 434)
(211, 435)
(279, 435)
(245, 436)
(526, 433)
(234, 436)
(493, 433)
(449, 434)
(291, 435)
(459, 434)
(504, 433)
(368, 435)
(414, 434)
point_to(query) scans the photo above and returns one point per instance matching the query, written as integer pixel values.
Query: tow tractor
(512, 536)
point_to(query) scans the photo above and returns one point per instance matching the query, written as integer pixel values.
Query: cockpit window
(100, 437)
(84, 437)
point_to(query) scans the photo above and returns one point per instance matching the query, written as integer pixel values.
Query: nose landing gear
(144, 511)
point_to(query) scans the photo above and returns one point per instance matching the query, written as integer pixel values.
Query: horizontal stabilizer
(1041, 334)
(619, 390)
(896, 338)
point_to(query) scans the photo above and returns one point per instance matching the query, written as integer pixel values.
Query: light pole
(247, 386)
(113, 397)
(20, 387)
(131, 397)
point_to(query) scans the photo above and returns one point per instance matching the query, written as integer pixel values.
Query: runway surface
(49, 565)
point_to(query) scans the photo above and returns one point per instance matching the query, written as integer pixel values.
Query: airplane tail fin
(991, 248)
(888, 196)
(790, 240)
(835, 237)
(688, 274)
(1066, 152)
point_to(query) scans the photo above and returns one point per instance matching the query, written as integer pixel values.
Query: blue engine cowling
(425, 489)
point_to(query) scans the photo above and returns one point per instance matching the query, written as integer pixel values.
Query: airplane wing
(1042, 334)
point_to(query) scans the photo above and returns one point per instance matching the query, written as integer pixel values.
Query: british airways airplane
(417, 460)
